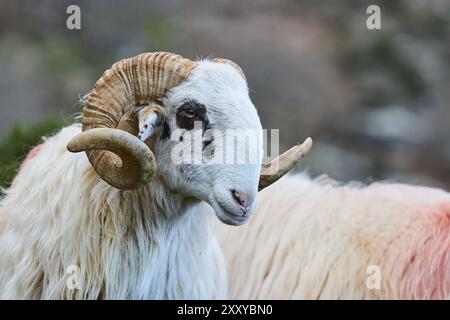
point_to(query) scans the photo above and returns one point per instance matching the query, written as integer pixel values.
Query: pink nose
(244, 200)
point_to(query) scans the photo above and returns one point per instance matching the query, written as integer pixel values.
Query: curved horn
(119, 158)
(231, 63)
(136, 165)
(281, 165)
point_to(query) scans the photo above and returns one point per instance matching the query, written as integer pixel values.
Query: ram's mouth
(230, 216)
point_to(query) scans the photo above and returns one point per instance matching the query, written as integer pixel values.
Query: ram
(127, 221)
(319, 239)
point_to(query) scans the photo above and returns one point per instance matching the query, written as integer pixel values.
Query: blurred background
(376, 102)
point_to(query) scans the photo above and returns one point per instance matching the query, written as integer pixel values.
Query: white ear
(149, 120)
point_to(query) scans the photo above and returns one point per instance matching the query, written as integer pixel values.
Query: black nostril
(237, 196)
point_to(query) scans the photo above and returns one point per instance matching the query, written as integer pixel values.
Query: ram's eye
(189, 113)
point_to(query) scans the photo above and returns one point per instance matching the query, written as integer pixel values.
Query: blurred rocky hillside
(376, 102)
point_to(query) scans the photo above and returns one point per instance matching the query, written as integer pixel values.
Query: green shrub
(20, 140)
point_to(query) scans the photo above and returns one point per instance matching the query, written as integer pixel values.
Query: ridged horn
(118, 157)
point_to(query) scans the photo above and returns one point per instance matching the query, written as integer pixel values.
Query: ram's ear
(150, 119)
(142, 121)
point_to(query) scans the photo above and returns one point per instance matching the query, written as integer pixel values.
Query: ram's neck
(158, 244)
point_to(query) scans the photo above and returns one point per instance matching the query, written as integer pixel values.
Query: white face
(213, 100)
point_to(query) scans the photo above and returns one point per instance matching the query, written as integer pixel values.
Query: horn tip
(307, 144)
(73, 147)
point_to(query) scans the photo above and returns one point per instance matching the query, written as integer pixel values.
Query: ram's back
(315, 239)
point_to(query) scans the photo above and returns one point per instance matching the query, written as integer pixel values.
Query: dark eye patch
(165, 132)
(189, 112)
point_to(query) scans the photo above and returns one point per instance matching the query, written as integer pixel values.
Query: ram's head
(144, 108)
